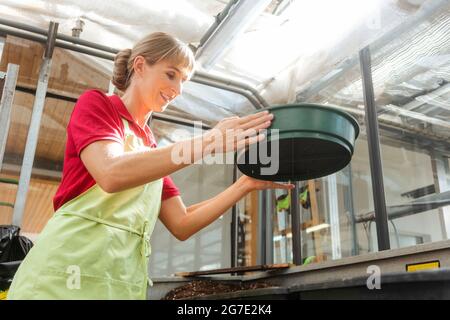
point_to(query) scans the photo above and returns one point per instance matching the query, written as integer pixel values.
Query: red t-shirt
(97, 116)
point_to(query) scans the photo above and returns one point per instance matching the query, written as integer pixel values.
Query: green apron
(96, 246)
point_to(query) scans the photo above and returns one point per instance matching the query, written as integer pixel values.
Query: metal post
(351, 207)
(262, 234)
(296, 226)
(441, 175)
(33, 131)
(12, 74)
(373, 140)
(234, 225)
(269, 227)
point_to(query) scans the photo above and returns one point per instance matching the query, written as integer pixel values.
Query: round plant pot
(305, 141)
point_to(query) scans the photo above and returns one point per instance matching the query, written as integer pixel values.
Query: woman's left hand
(251, 184)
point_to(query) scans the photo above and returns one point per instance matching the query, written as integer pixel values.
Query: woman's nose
(177, 89)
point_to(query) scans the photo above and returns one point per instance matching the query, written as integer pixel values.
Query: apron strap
(102, 221)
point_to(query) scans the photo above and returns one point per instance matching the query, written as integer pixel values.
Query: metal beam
(240, 15)
(41, 173)
(108, 53)
(222, 86)
(296, 226)
(219, 18)
(58, 43)
(91, 52)
(41, 31)
(33, 131)
(373, 140)
(25, 35)
(416, 116)
(423, 204)
(160, 117)
(180, 121)
(12, 73)
(49, 94)
(39, 162)
(428, 98)
(233, 83)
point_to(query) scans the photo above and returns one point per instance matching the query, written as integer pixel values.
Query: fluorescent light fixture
(239, 18)
(317, 228)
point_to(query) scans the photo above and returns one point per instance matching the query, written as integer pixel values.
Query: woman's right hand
(234, 133)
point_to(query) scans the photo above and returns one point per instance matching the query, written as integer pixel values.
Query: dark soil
(206, 287)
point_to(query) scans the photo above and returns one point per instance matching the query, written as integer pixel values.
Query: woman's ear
(139, 65)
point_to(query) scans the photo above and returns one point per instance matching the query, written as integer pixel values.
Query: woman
(116, 183)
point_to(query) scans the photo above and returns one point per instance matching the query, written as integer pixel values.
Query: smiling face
(160, 83)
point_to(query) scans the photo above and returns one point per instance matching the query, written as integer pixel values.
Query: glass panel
(209, 248)
(28, 55)
(15, 146)
(70, 75)
(248, 223)
(73, 73)
(23, 53)
(411, 75)
(282, 226)
(47, 165)
(333, 209)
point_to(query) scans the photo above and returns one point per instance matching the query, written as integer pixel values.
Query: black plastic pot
(313, 141)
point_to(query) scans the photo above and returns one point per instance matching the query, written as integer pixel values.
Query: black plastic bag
(13, 249)
(13, 246)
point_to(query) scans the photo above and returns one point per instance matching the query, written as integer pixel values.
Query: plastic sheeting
(292, 45)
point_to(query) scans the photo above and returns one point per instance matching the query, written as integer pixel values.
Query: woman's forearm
(198, 205)
(202, 214)
(115, 170)
(131, 169)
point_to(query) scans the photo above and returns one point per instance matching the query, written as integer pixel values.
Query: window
(411, 75)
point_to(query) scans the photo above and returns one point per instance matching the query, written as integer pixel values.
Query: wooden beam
(315, 219)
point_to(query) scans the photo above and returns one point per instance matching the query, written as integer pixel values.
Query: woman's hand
(234, 133)
(251, 184)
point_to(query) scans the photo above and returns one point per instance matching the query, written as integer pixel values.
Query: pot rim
(326, 107)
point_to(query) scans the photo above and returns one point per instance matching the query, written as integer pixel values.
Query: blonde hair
(154, 48)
